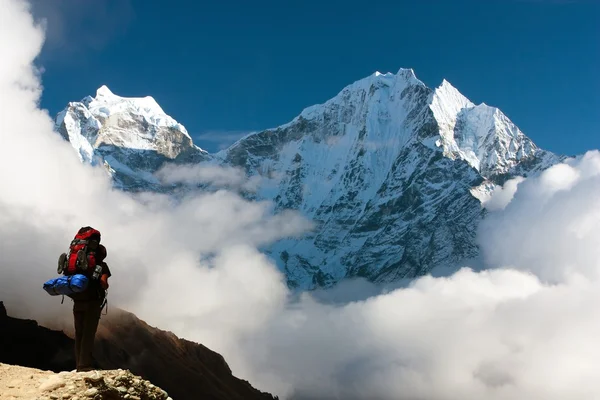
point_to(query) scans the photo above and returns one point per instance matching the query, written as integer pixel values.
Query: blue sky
(223, 68)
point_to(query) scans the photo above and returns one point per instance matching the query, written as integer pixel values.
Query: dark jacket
(94, 291)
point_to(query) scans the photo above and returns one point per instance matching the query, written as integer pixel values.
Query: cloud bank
(524, 328)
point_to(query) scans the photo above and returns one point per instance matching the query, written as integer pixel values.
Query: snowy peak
(130, 136)
(383, 89)
(106, 103)
(104, 91)
(130, 122)
(481, 135)
(447, 101)
(408, 74)
(489, 141)
(403, 74)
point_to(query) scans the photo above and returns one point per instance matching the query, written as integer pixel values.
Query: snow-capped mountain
(392, 172)
(132, 137)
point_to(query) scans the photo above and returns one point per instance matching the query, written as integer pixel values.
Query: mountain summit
(392, 172)
(132, 137)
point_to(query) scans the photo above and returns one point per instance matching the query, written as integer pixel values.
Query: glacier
(392, 172)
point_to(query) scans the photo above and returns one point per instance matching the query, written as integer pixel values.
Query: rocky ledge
(29, 383)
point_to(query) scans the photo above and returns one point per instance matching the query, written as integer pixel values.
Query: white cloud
(213, 176)
(502, 195)
(526, 328)
(551, 226)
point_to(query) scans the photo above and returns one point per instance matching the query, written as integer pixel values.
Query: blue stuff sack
(66, 285)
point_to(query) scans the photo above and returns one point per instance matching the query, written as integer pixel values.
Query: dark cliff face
(186, 370)
(25, 343)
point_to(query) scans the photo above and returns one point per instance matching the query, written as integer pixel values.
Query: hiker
(87, 307)
(85, 281)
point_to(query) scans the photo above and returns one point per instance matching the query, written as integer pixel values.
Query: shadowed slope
(186, 370)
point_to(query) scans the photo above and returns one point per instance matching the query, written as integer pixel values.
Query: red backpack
(81, 258)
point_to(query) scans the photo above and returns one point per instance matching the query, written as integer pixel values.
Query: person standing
(87, 308)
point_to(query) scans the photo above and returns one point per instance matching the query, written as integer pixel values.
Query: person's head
(101, 253)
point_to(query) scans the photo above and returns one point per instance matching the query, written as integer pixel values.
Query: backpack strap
(69, 279)
(104, 303)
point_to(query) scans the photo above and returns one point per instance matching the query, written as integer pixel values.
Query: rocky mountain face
(392, 172)
(185, 370)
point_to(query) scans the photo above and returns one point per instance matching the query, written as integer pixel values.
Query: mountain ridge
(392, 172)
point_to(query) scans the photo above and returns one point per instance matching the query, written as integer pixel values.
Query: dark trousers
(86, 317)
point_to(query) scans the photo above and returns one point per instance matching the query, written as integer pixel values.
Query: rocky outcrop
(30, 383)
(186, 370)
